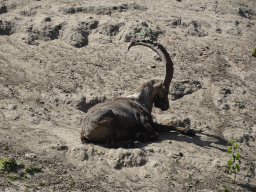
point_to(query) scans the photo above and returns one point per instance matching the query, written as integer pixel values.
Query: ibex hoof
(189, 132)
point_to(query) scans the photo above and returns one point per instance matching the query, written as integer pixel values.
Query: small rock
(12, 107)
(225, 106)
(239, 10)
(153, 164)
(8, 137)
(30, 155)
(61, 148)
(47, 19)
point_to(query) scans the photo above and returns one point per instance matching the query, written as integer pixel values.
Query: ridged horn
(164, 55)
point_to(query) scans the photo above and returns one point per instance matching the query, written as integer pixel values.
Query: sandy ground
(58, 59)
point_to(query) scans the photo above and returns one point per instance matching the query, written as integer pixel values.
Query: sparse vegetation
(191, 183)
(22, 174)
(42, 184)
(45, 109)
(254, 52)
(6, 148)
(72, 183)
(233, 164)
(13, 187)
(6, 164)
(240, 104)
(12, 177)
(177, 157)
(31, 168)
(119, 165)
(173, 178)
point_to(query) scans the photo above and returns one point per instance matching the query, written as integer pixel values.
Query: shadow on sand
(168, 133)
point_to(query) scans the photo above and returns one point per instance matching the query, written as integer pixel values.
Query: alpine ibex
(124, 121)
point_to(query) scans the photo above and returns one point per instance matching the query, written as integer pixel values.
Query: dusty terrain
(58, 59)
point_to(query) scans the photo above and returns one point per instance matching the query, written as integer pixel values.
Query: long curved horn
(165, 57)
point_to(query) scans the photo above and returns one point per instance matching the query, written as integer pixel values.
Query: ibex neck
(144, 97)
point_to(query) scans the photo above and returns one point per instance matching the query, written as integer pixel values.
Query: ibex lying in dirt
(124, 121)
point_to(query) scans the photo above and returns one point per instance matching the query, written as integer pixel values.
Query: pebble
(60, 148)
(12, 107)
(239, 10)
(30, 155)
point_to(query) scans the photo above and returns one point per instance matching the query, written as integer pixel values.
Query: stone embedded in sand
(62, 147)
(140, 30)
(79, 153)
(3, 8)
(253, 131)
(85, 153)
(251, 76)
(12, 107)
(153, 163)
(102, 9)
(126, 158)
(180, 88)
(235, 31)
(12, 113)
(77, 33)
(111, 28)
(194, 29)
(237, 133)
(6, 27)
(30, 155)
(45, 30)
(174, 22)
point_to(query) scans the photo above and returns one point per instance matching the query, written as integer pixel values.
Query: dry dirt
(58, 59)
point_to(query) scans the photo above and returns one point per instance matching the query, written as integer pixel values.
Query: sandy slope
(59, 59)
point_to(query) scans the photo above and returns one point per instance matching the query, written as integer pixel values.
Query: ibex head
(161, 89)
(160, 98)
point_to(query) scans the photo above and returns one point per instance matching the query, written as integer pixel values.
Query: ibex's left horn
(165, 57)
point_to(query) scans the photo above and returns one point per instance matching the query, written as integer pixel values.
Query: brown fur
(123, 120)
